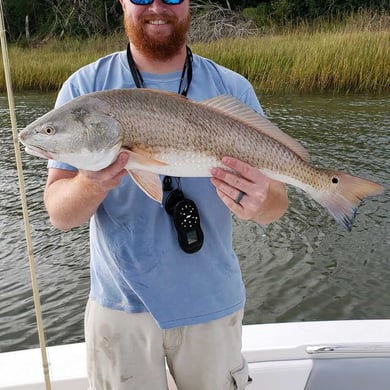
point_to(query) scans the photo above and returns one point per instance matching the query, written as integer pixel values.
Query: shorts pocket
(240, 376)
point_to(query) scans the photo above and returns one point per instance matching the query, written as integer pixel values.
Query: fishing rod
(34, 282)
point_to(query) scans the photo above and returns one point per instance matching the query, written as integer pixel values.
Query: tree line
(38, 19)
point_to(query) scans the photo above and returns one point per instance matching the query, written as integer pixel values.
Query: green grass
(338, 61)
(47, 65)
(306, 62)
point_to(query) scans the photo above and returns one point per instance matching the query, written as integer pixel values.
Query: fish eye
(335, 180)
(49, 130)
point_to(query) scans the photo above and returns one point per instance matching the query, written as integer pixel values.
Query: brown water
(303, 267)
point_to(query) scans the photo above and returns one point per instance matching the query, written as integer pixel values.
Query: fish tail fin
(345, 195)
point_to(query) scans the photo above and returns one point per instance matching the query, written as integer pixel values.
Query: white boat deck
(347, 355)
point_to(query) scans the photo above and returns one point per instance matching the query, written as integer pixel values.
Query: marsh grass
(339, 61)
(307, 62)
(45, 66)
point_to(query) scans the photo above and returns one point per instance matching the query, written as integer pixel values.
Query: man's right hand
(72, 197)
(109, 177)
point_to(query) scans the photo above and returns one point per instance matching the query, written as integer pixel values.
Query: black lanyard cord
(187, 68)
(139, 81)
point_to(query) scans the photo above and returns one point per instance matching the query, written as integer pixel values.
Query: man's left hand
(248, 193)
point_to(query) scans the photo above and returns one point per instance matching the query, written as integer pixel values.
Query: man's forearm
(71, 201)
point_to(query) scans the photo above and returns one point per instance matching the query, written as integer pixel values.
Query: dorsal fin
(234, 107)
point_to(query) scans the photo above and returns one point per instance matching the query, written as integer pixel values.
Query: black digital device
(186, 221)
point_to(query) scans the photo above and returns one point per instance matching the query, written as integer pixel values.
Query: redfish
(167, 134)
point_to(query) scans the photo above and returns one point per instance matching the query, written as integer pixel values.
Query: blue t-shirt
(137, 264)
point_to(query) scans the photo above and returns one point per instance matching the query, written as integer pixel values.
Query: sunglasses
(148, 2)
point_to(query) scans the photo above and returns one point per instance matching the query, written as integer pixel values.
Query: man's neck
(145, 64)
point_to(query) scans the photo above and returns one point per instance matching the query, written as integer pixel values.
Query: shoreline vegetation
(348, 57)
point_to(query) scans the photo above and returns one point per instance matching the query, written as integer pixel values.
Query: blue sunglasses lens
(148, 2)
(142, 2)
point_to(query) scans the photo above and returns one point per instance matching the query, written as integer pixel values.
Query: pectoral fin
(138, 166)
(140, 159)
(149, 183)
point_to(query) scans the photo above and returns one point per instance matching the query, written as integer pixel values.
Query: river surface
(303, 267)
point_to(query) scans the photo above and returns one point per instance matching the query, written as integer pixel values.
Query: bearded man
(157, 299)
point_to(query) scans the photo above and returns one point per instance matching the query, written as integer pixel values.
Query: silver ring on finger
(239, 197)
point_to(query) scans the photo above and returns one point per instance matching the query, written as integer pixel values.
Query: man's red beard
(158, 48)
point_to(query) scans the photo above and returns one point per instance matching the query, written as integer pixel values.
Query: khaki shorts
(129, 351)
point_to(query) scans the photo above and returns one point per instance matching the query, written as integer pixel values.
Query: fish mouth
(38, 152)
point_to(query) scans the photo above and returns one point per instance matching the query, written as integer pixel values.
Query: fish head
(81, 133)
